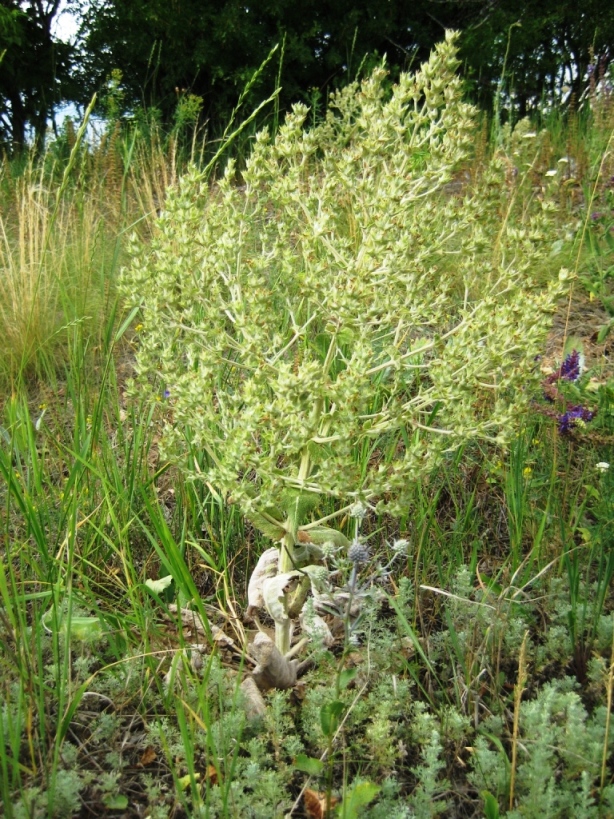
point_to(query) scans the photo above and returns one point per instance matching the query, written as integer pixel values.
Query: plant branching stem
(286, 561)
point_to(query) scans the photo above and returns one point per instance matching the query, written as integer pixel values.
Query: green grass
(106, 702)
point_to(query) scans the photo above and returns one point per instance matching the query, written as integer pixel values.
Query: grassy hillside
(479, 679)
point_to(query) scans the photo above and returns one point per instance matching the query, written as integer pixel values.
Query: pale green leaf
(82, 628)
(308, 765)
(359, 796)
(116, 801)
(158, 586)
(322, 534)
(270, 528)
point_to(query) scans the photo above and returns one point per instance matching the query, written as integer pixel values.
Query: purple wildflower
(570, 368)
(574, 416)
(167, 393)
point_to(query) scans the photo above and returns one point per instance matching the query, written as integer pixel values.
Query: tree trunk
(18, 123)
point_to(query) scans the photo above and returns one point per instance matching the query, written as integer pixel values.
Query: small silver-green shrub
(331, 320)
(559, 761)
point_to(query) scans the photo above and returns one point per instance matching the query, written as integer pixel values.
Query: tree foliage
(543, 47)
(166, 52)
(34, 73)
(211, 49)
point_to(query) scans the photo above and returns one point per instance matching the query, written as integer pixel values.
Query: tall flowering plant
(332, 320)
(569, 415)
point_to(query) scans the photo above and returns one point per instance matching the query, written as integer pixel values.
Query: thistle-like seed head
(359, 552)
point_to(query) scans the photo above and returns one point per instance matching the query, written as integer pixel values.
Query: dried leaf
(196, 658)
(265, 568)
(315, 626)
(148, 756)
(316, 804)
(273, 670)
(254, 704)
(193, 621)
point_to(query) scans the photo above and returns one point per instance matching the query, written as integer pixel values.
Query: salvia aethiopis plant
(334, 318)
